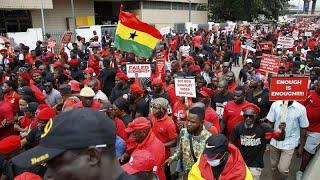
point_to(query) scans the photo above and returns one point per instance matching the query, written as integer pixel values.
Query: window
(156, 5)
(14, 21)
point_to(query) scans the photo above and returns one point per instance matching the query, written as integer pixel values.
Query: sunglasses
(247, 115)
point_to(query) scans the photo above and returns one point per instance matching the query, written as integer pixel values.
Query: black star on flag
(133, 35)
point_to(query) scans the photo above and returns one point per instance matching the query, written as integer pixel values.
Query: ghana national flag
(135, 36)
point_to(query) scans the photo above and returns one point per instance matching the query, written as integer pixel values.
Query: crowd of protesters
(76, 114)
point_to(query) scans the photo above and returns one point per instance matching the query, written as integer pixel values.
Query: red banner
(269, 63)
(288, 88)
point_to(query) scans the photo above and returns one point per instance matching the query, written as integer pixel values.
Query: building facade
(18, 15)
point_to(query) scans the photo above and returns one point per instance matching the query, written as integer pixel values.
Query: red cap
(206, 92)
(141, 160)
(208, 63)
(64, 55)
(251, 106)
(56, 64)
(3, 50)
(122, 76)
(89, 70)
(196, 69)
(140, 123)
(25, 76)
(9, 144)
(36, 71)
(136, 89)
(157, 81)
(42, 106)
(189, 59)
(74, 85)
(123, 60)
(27, 176)
(46, 114)
(73, 62)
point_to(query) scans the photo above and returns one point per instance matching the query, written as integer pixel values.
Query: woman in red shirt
(10, 95)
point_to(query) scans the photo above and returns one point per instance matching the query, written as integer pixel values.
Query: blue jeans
(236, 58)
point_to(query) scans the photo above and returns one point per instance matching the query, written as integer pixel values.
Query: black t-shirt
(126, 119)
(125, 176)
(218, 102)
(140, 107)
(251, 143)
(261, 100)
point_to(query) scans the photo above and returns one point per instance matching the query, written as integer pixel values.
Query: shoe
(299, 175)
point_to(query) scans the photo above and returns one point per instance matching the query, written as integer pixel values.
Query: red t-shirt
(172, 94)
(232, 115)
(164, 129)
(313, 109)
(120, 128)
(13, 99)
(40, 97)
(6, 113)
(26, 122)
(197, 41)
(232, 87)
(152, 144)
(236, 46)
(95, 105)
(212, 117)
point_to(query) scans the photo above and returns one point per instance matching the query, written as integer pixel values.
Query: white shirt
(100, 96)
(184, 50)
(296, 119)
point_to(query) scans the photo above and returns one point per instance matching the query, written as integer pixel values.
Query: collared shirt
(54, 97)
(100, 96)
(183, 149)
(296, 119)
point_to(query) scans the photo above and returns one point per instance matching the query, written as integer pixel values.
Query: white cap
(249, 61)
(87, 92)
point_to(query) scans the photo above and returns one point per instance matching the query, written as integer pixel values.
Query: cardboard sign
(286, 42)
(269, 63)
(160, 67)
(288, 88)
(141, 70)
(295, 35)
(249, 44)
(185, 87)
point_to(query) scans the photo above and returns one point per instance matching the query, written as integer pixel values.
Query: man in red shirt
(87, 95)
(24, 80)
(163, 127)
(230, 78)
(6, 118)
(236, 47)
(10, 95)
(312, 105)
(211, 119)
(140, 130)
(197, 42)
(232, 114)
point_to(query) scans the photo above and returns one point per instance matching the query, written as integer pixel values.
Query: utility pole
(42, 18)
(73, 19)
(189, 10)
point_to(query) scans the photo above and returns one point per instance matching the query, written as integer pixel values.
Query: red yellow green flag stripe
(135, 36)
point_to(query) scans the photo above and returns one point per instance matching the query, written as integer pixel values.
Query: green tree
(245, 10)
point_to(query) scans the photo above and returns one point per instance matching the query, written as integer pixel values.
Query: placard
(288, 88)
(185, 87)
(286, 42)
(295, 35)
(160, 67)
(308, 34)
(266, 45)
(138, 70)
(269, 63)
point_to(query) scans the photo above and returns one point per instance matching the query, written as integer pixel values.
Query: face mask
(214, 163)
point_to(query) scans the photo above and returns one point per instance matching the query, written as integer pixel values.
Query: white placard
(142, 70)
(165, 30)
(295, 35)
(185, 87)
(308, 34)
(286, 42)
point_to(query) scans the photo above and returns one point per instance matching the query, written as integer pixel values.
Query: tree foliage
(246, 10)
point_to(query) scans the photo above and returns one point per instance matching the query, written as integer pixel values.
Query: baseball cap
(141, 160)
(74, 129)
(215, 145)
(206, 92)
(74, 85)
(249, 61)
(139, 123)
(87, 92)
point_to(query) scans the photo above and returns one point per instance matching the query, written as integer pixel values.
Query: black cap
(75, 129)
(65, 89)
(216, 144)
